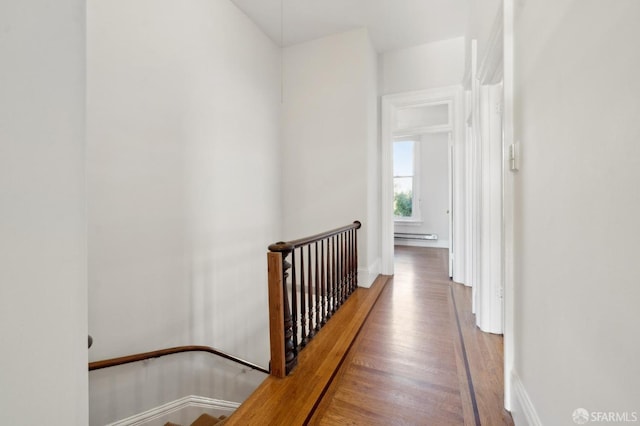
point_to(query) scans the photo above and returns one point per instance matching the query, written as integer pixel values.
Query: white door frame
(508, 217)
(390, 105)
(498, 64)
(489, 289)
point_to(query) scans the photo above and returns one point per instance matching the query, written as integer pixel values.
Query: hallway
(409, 366)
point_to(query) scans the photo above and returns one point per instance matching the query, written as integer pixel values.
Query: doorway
(427, 118)
(421, 190)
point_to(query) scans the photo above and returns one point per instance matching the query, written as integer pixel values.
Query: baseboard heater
(405, 236)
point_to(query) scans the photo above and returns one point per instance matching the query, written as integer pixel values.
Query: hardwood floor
(409, 364)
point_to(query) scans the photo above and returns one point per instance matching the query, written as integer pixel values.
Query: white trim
(423, 243)
(474, 188)
(524, 412)
(421, 130)
(403, 222)
(458, 236)
(386, 186)
(450, 211)
(508, 201)
(367, 276)
(174, 406)
(468, 192)
(489, 292)
(428, 103)
(490, 70)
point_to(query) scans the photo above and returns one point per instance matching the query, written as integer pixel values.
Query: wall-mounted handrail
(97, 365)
(309, 279)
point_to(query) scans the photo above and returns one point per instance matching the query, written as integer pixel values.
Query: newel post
(283, 352)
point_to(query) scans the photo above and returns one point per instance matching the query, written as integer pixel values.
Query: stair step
(204, 420)
(207, 420)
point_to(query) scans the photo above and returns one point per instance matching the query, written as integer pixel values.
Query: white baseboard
(421, 243)
(174, 411)
(522, 410)
(366, 276)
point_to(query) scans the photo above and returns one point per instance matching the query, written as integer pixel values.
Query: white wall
(433, 187)
(183, 167)
(330, 148)
(427, 66)
(43, 290)
(577, 206)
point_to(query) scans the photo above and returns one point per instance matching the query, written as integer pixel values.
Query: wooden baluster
(345, 273)
(355, 250)
(350, 257)
(290, 350)
(336, 254)
(350, 261)
(354, 264)
(330, 281)
(294, 300)
(356, 257)
(343, 269)
(303, 310)
(347, 267)
(310, 291)
(323, 274)
(318, 287)
(338, 278)
(347, 261)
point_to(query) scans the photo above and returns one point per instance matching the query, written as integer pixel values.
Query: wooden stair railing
(97, 365)
(309, 279)
(293, 400)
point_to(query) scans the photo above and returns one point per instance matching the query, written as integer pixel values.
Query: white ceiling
(392, 24)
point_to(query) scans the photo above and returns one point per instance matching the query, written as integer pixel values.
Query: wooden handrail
(281, 247)
(97, 365)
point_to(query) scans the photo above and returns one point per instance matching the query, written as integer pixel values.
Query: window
(405, 198)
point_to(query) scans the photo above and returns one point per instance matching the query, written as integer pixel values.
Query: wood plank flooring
(409, 365)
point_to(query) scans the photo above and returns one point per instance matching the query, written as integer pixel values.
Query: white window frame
(416, 216)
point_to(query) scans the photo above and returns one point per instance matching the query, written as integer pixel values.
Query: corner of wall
(366, 276)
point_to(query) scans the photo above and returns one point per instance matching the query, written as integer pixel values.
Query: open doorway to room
(419, 174)
(421, 190)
